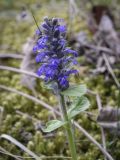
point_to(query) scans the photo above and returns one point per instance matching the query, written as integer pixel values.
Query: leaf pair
(79, 105)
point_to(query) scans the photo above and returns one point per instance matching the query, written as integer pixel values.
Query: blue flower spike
(52, 52)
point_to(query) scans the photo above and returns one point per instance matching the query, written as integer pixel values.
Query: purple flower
(70, 51)
(62, 42)
(62, 80)
(62, 29)
(38, 32)
(41, 70)
(55, 62)
(42, 42)
(69, 60)
(40, 57)
(35, 48)
(71, 72)
(55, 57)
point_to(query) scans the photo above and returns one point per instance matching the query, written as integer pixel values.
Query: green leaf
(78, 106)
(78, 90)
(52, 125)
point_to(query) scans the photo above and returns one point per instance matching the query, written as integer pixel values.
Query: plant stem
(68, 128)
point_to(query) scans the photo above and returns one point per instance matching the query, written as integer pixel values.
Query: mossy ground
(14, 34)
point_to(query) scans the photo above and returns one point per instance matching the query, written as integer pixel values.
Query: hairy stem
(68, 128)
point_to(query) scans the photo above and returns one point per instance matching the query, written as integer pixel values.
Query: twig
(20, 145)
(101, 128)
(99, 104)
(11, 55)
(25, 114)
(18, 71)
(104, 49)
(55, 111)
(93, 141)
(73, 5)
(3, 151)
(110, 70)
(47, 106)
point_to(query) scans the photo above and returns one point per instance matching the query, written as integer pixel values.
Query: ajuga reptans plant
(56, 65)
